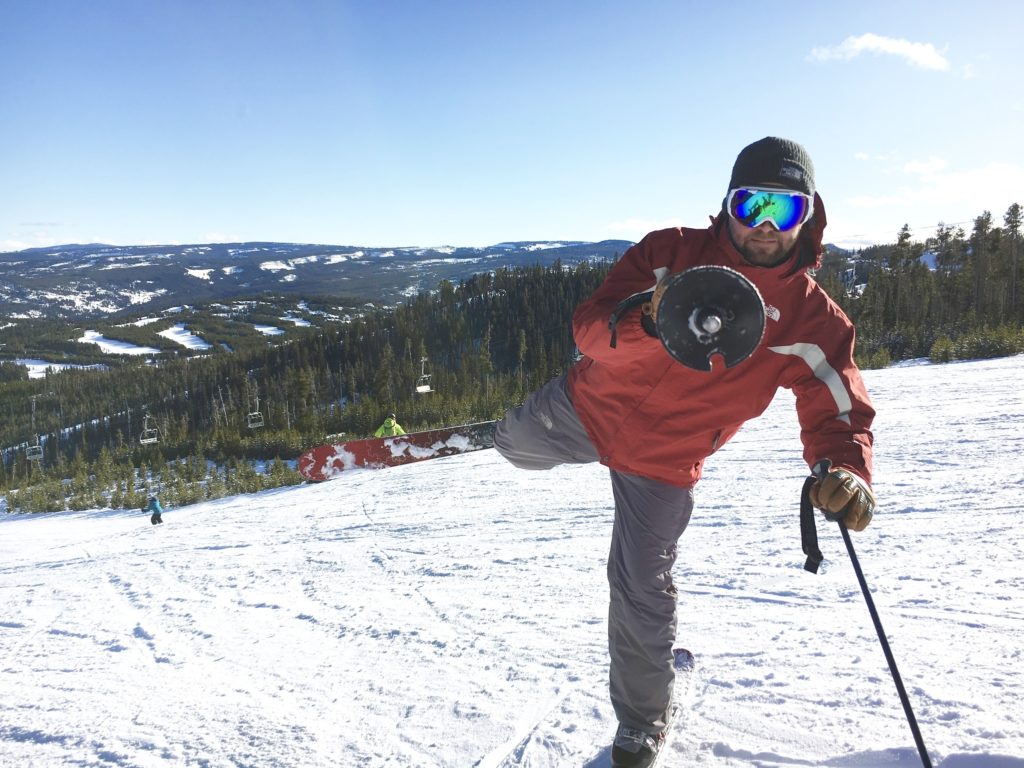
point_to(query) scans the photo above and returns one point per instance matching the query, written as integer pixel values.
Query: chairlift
(255, 419)
(34, 452)
(150, 434)
(423, 382)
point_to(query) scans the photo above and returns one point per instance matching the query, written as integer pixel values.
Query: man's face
(762, 245)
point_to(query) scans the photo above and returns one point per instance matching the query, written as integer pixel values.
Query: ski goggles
(783, 208)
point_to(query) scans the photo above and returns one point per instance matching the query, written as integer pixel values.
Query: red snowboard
(326, 462)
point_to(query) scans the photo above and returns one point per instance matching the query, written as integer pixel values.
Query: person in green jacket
(389, 428)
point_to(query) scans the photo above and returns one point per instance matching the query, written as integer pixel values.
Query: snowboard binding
(703, 312)
(707, 311)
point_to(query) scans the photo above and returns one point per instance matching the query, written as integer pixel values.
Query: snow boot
(635, 749)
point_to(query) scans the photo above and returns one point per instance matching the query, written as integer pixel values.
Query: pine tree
(1012, 221)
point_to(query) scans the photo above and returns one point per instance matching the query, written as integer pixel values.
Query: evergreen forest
(233, 420)
(484, 343)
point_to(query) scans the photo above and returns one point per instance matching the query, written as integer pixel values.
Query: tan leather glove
(841, 495)
(651, 307)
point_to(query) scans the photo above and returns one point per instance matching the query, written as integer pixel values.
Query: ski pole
(922, 751)
(809, 536)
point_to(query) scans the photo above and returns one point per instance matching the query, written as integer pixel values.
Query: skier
(157, 511)
(653, 422)
(390, 428)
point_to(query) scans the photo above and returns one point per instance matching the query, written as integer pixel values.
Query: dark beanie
(775, 161)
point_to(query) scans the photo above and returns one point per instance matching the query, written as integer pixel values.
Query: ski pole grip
(820, 472)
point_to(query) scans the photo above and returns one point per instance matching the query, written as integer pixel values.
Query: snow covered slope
(452, 613)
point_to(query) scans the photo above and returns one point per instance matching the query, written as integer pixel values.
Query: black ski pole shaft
(886, 649)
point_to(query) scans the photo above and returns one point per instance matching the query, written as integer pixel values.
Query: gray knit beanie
(777, 161)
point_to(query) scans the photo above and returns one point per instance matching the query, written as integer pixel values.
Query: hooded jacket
(390, 428)
(649, 415)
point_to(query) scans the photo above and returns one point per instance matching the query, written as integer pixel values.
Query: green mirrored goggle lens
(783, 209)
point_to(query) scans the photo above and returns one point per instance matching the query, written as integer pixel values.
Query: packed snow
(179, 334)
(38, 369)
(114, 346)
(452, 612)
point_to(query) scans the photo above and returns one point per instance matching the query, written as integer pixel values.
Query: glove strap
(808, 528)
(624, 306)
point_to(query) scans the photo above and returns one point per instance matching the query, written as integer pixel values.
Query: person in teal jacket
(389, 428)
(157, 511)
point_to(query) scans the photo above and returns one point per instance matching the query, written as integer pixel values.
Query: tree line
(953, 295)
(487, 341)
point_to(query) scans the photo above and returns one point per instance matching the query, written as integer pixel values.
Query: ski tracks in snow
(453, 613)
(438, 572)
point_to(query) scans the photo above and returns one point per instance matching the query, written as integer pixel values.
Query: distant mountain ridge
(97, 280)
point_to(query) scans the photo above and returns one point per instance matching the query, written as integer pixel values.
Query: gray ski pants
(650, 516)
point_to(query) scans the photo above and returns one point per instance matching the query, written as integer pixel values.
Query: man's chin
(766, 256)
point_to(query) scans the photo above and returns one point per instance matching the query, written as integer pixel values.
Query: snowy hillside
(77, 281)
(452, 613)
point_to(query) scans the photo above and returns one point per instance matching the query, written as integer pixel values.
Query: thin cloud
(879, 157)
(41, 239)
(990, 185)
(921, 55)
(925, 167)
(993, 187)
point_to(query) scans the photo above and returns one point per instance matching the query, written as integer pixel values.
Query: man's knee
(517, 445)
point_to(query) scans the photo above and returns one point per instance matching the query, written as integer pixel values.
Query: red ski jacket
(649, 415)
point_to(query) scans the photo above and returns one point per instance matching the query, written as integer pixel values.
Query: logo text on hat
(791, 171)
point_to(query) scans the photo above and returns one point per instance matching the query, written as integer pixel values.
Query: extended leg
(544, 431)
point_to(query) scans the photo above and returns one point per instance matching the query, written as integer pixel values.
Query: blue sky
(380, 123)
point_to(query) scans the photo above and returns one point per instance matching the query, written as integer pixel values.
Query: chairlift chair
(423, 382)
(149, 434)
(255, 418)
(34, 452)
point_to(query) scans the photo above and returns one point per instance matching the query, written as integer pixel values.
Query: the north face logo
(772, 312)
(790, 171)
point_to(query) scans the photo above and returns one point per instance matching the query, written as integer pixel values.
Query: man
(389, 428)
(653, 422)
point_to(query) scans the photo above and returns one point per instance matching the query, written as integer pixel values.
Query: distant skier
(389, 428)
(157, 511)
